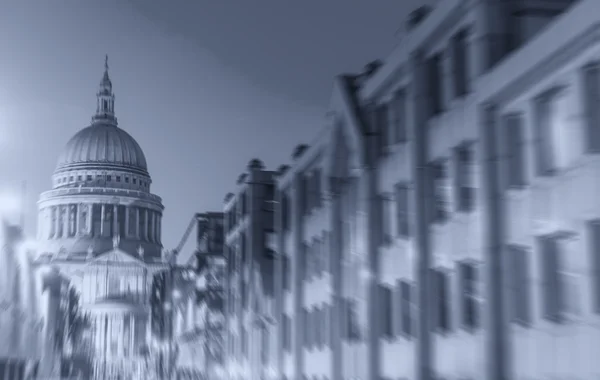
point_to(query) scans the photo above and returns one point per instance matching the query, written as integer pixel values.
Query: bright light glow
(167, 306)
(176, 294)
(271, 372)
(219, 371)
(9, 204)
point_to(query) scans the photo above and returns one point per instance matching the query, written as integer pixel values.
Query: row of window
(561, 286)
(557, 141)
(99, 177)
(390, 119)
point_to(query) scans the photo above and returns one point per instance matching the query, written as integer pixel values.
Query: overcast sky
(203, 85)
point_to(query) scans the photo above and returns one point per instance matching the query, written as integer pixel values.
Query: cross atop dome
(105, 107)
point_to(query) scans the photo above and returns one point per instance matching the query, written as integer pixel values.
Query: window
(518, 283)
(109, 178)
(79, 178)
(469, 303)
(402, 211)
(406, 308)
(244, 342)
(326, 253)
(591, 84)
(89, 177)
(435, 84)
(515, 151)
(118, 178)
(352, 331)
(287, 333)
(440, 302)
(317, 191)
(381, 127)
(134, 181)
(559, 285)
(439, 189)
(385, 217)
(554, 143)
(593, 231)
(399, 118)
(307, 330)
(460, 63)
(126, 179)
(333, 321)
(71, 178)
(387, 311)
(465, 178)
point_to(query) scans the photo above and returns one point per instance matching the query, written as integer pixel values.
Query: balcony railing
(100, 190)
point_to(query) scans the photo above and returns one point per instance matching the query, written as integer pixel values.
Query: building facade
(249, 218)
(448, 206)
(210, 292)
(21, 313)
(100, 226)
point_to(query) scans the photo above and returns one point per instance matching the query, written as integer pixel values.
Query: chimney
(415, 17)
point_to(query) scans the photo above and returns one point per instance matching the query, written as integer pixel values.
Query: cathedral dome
(102, 144)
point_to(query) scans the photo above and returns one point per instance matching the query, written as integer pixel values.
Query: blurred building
(250, 274)
(173, 306)
(210, 292)
(445, 223)
(100, 226)
(21, 312)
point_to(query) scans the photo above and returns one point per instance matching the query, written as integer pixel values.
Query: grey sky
(203, 85)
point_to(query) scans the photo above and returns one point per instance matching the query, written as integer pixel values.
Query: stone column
(151, 226)
(121, 336)
(146, 223)
(57, 222)
(66, 218)
(102, 220)
(90, 208)
(418, 133)
(127, 232)
(137, 222)
(77, 218)
(497, 330)
(159, 232)
(115, 221)
(296, 209)
(132, 326)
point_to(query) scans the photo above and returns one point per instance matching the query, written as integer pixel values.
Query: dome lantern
(105, 106)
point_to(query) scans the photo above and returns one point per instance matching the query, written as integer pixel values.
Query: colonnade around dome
(100, 220)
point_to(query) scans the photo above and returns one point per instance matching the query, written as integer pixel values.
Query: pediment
(117, 256)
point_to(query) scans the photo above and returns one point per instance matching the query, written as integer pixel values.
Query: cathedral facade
(100, 226)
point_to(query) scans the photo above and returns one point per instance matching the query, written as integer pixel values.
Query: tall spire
(105, 107)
